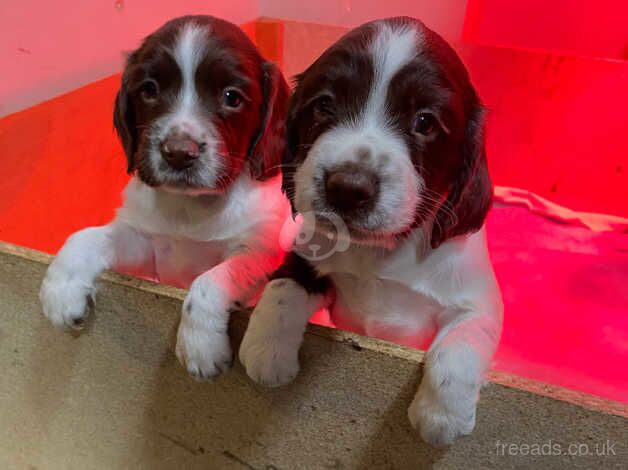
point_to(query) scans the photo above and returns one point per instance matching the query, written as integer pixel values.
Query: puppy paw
(440, 423)
(203, 345)
(267, 361)
(204, 353)
(66, 298)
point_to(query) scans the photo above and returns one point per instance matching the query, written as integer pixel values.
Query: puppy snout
(350, 188)
(180, 151)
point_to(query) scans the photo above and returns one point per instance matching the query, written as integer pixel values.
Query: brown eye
(425, 124)
(323, 108)
(232, 98)
(149, 91)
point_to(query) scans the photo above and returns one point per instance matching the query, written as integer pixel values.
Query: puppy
(201, 117)
(385, 147)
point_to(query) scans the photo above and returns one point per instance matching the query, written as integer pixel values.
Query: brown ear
(268, 145)
(471, 194)
(124, 119)
(289, 157)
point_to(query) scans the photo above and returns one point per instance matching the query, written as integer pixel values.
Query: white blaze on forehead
(189, 50)
(392, 48)
(186, 114)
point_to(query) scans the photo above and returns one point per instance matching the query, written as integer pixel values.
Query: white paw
(268, 361)
(203, 345)
(440, 423)
(66, 298)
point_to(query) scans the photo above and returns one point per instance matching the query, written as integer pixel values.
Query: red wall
(555, 77)
(52, 47)
(591, 28)
(557, 125)
(63, 168)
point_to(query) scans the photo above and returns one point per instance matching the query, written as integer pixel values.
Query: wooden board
(115, 397)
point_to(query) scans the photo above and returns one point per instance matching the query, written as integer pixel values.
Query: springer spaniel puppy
(385, 147)
(201, 117)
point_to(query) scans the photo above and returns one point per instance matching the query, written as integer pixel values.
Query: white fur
(391, 49)
(407, 295)
(387, 152)
(411, 294)
(270, 347)
(227, 244)
(187, 117)
(202, 339)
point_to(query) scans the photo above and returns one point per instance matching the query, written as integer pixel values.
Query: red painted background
(583, 28)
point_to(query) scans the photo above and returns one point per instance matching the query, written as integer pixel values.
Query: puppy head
(386, 130)
(197, 104)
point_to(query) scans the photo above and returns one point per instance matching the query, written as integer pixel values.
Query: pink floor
(565, 289)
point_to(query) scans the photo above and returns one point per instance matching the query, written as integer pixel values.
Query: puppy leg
(69, 285)
(444, 406)
(203, 345)
(270, 347)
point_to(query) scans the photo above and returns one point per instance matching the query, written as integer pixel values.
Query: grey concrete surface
(115, 397)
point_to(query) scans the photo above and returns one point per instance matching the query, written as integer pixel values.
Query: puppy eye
(232, 98)
(425, 124)
(323, 108)
(149, 91)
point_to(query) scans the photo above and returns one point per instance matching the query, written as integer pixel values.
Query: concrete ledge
(115, 397)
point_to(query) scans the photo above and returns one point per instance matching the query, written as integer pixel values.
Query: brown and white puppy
(385, 159)
(201, 118)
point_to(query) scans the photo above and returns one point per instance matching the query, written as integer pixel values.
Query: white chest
(178, 261)
(384, 309)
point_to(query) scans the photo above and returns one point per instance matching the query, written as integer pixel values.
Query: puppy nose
(180, 151)
(350, 188)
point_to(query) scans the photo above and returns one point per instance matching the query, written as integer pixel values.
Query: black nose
(351, 188)
(180, 151)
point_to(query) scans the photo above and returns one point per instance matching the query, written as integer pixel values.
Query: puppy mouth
(369, 225)
(359, 223)
(191, 190)
(372, 204)
(188, 184)
(205, 175)
(334, 225)
(373, 237)
(183, 179)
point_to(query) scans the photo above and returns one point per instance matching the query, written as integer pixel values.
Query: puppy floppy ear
(290, 153)
(471, 194)
(268, 145)
(124, 119)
